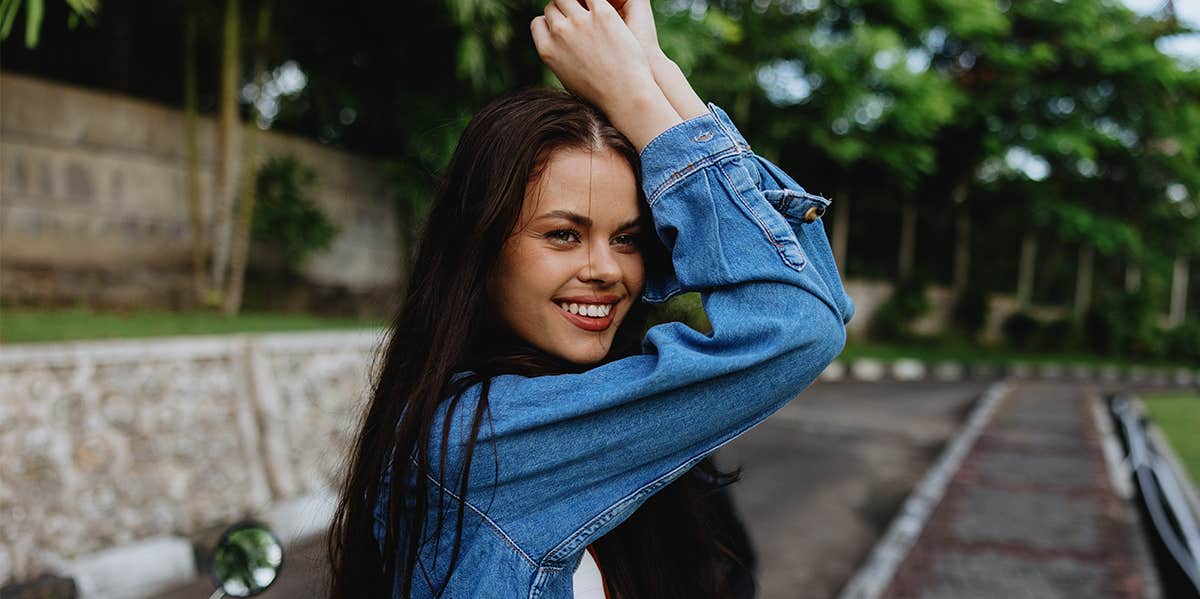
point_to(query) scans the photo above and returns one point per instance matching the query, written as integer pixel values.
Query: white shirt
(587, 582)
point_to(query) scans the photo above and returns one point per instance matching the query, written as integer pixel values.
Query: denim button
(813, 213)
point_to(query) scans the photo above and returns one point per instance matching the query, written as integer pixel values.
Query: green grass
(28, 326)
(1178, 415)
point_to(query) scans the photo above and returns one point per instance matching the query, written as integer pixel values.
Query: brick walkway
(1031, 513)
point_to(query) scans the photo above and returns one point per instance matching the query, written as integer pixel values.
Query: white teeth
(590, 310)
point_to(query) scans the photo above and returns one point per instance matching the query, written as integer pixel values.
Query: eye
(563, 236)
(633, 240)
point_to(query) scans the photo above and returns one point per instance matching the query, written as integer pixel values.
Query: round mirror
(247, 559)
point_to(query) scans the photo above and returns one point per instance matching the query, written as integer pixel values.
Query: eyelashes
(571, 236)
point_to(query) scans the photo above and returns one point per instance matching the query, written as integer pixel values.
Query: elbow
(822, 340)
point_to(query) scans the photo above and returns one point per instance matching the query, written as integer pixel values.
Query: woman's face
(568, 275)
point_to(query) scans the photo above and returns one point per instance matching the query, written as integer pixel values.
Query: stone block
(836, 371)
(868, 369)
(908, 370)
(949, 371)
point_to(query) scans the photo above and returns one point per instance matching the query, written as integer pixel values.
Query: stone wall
(869, 296)
(92, 202)
(103, 444)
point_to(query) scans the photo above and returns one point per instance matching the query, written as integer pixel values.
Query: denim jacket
(563, 459)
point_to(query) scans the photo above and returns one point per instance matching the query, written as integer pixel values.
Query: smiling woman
(573, 268)
(527, 436)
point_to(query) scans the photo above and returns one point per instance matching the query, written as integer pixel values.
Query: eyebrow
(582, 220)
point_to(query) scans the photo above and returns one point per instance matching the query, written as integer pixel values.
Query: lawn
(27, 326)
(1178, 415)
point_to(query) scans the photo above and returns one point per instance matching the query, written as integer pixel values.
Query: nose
(601, 268)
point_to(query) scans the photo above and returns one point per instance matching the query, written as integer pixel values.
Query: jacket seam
(664, 132)
(607, 514)
(690, 169)
(491, 523)
(763, 227)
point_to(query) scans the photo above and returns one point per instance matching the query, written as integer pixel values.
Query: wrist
(642, 116)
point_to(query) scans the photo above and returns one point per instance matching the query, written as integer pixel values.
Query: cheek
(635, 273)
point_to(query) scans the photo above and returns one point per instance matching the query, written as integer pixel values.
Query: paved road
(821, 480)
(1031, 513)
(823, 477)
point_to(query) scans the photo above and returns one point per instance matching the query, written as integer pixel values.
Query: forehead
(599, 184)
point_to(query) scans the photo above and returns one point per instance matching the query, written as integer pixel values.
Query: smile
(589, 317)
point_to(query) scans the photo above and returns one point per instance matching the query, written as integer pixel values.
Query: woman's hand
(596, 56)
(639, 17)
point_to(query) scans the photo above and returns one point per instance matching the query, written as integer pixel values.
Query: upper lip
(602, 299)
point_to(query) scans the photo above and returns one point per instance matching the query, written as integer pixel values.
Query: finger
(570, 8)
(554, 17)
(541, 35)
(601, 7)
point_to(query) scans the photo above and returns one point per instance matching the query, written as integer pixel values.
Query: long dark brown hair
(681, 543)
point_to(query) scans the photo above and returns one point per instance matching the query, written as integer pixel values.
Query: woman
(523, 438)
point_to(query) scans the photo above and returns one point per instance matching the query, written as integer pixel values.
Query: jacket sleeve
(562, 459)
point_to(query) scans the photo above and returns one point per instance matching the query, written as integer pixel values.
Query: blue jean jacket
(564, 459)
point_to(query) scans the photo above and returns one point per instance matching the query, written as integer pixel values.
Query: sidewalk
(1031, 513)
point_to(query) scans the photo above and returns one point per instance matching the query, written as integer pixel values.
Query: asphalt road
(821, 480)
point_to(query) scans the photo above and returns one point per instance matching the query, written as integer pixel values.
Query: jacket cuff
(682, 150)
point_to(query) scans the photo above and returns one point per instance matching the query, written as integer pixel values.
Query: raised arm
(639, 17)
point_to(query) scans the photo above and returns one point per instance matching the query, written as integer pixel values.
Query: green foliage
(1183, 342)
(1020, 330)
(84, 10)
(284, 213)
(970, 312)
(1024, 332)
(1122, 324)
(893, 320)
(686, 308)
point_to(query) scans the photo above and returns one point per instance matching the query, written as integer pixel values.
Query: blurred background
(234, 189)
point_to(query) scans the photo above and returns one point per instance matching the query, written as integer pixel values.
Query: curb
(881, 565)
(873, 370)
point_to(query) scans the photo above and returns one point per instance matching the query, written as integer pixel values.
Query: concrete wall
(870, 295)
(103, 444)
(92, 202)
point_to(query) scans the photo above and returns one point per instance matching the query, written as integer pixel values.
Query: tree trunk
(908, 238)
(1026, 270)
(1083, 282)
(246, 188)
(227, 130)
(1133, 277)
(1179, 289)
(962, 238)
(192, 176)
(841, 228)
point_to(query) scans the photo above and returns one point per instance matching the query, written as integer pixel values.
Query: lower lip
(587, 323)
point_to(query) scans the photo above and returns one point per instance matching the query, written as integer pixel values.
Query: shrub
(893, 320)
(1122, 324)
(970, 311)
(1021, 331)
(285, 216)
(1183, 342)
